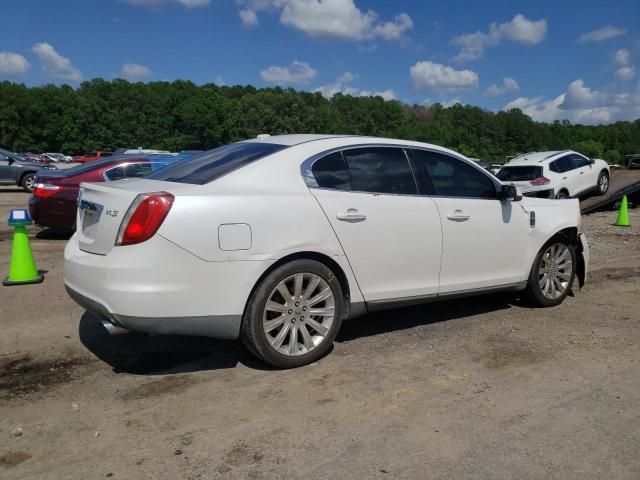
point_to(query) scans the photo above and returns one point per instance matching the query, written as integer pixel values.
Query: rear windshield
(208, 166)
(514, 174)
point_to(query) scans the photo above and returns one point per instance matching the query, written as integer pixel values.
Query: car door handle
(458, 216)
(564, 178)
(581, 173)
(352, 215)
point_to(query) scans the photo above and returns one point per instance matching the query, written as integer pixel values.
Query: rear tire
(562, 195)
(603, 183)
(27, 182)
(279, 324)
(552, 273)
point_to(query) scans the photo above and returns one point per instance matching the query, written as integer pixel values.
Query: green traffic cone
(22, 268)
(623, 214)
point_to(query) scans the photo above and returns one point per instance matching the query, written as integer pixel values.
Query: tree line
(180, 115)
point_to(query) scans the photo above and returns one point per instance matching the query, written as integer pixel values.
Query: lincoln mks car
(277, 240)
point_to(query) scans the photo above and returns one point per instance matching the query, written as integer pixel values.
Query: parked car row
(18, 170)
(276, 240)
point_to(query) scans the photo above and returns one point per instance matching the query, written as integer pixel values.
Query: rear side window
(116, 173)
(514, 174)
(332, 172)
(208, 166)
(105, 154)
(561, 165)
(380, 170)
(451, 177)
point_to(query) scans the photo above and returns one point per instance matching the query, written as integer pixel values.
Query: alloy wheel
(298, 314)
(603, 183)
(556, 268)
(29, 181)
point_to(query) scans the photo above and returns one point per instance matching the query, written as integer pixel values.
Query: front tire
(552, 273)
(27, 182)
(603, 183)
(294, 314)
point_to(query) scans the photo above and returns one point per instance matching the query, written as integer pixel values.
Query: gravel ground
(480, 388)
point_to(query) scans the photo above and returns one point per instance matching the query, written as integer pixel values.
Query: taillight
(45, 190)
(536, 182)
(146, 214)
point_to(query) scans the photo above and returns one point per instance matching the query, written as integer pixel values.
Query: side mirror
(510, 193)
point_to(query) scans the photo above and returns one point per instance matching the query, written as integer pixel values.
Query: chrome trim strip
(376, 305)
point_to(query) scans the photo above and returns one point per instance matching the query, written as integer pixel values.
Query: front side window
(208, 166)
(138, 170)
(380, 170)
(579, 161)
(451, 177)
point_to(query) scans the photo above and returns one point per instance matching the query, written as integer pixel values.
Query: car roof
(534, 158)
(293, 139)
(327, 141)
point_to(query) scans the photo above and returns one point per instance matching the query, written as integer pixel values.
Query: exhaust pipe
(112, 328)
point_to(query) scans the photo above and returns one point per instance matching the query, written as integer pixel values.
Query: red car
(91, 156)
(55, 195)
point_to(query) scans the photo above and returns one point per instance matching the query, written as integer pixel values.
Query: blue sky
(553, 59)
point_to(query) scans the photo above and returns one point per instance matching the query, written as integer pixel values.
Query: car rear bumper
(157, 287)
(57, 213)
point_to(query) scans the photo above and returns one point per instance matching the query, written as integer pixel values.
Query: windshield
(515, 174)
(208, 166)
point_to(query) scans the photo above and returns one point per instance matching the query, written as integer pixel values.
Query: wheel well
(319, 257)
(571, 234)
(564, 189)
(24, 174)
(604, 170)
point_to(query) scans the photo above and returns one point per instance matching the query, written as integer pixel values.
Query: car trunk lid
(102, 208)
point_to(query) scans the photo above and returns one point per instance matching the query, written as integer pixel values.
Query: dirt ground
(481, 388)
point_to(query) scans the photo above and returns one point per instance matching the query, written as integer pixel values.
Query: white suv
(560, 175)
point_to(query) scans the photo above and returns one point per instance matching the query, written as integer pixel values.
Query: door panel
(484, 239)
(393, 242)
(484, 242)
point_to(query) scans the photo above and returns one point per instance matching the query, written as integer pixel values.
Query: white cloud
(219, 81)
(604, 33)
(297, 73)
(340, 19)
(622, 56)
(581, 104)
(626, 73)
(387, 94)
(134, 72)
(161, 3)
(55, 64)
(13, 63)
(342, 84)
(395, 29)
(581, 96)
(519, 29)
(509, 85)
(248, 17)
(435, 76)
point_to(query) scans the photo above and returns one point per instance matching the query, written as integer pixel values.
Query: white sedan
(276, 240)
